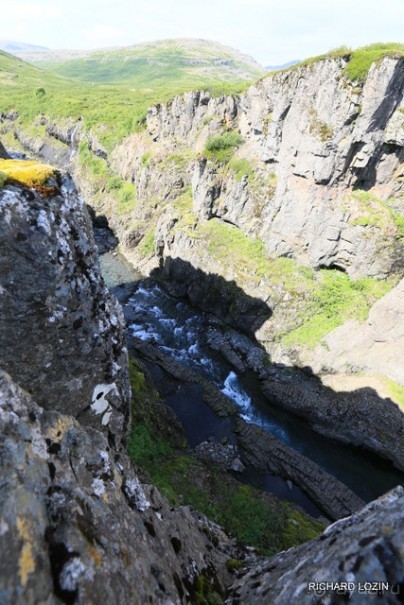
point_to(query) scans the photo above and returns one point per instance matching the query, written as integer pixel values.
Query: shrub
(222, 147)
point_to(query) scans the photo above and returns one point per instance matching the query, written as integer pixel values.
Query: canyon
(277, 211)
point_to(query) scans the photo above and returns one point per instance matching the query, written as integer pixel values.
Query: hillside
(114, 110)
(152, 64)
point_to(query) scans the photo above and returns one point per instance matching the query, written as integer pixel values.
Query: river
(180, 331)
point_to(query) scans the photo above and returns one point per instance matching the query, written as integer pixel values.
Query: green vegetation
(359, 60)
(334, 300)
(396, 391)
(154, 64)
(117, 103)
(325, 298)
(31, 174)
(161, 451)
(221, 148)
(146, 246)
(241, 168)
(362, 59)
(368, 210)
(321, 130)
(247, 257)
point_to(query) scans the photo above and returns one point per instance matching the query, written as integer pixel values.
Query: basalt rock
(77, 526)
(61, 332)
(265, 451)
(360, 558)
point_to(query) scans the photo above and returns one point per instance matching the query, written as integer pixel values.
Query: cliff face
(311, 138)
(76, 523)
(352, 551)
(61, 332)
(314, 180)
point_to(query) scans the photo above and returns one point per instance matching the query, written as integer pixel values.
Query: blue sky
(272, 31)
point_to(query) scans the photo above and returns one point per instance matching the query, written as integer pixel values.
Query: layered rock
(79, 527)
(321, 183)
(61, 332)
(360, 557)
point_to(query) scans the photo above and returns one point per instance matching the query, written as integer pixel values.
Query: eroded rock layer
(61, 332)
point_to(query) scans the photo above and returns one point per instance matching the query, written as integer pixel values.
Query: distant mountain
(164, 61)
(13, 47)
(283, 66)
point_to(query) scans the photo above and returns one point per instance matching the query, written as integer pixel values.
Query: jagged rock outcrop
(321, 136)
(61, 332)
(3, 153)
(79, 527)
(361, 556)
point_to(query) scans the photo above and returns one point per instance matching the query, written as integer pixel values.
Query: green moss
(335, 299)
(221, 148)
(234, 565)
(26, 172)
(362, 59)
(299, 528)
(146, 246)
(241, 168)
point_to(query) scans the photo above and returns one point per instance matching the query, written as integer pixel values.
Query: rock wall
(318, 178)
(61, 332)
(318, 136)
(78, 527)
(360, 555)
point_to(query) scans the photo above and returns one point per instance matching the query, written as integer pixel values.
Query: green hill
(112, 89)
(154, 64)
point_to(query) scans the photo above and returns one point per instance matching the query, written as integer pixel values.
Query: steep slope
(154, 64)
(293, 191)
(76, 522)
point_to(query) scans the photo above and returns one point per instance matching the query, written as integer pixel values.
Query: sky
(272, 31)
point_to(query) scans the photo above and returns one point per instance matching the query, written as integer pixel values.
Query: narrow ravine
(180, 331)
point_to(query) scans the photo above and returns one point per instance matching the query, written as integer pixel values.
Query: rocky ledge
(61, 332)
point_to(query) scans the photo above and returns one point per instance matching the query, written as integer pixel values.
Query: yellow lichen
(26, 172)
(95, 555)
(60, 428)
(26, 561)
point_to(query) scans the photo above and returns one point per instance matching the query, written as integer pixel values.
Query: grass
(325, 299)
(359, 60)
(221, 148)
(368, 210)
(114, 105)
(362, 59)
(335, 299)
(154, 63)
(255, 519)
(146, 246)
(241, 168)
(396, 391)
(28, 173)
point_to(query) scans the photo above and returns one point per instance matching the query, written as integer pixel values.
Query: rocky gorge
(250, 232)
(313, 181)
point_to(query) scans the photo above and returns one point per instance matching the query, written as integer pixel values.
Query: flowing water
(180, 331)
